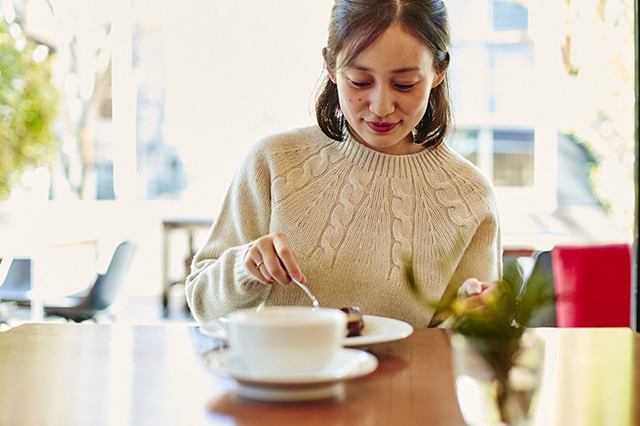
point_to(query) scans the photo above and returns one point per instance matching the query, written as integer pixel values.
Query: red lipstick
(381, 127)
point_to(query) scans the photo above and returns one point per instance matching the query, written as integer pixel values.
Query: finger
(289, 265)
(271, 269)
(254, 263)
(258, 271)
(470, 287)
(491, 292)
(486, 298)
(472, 302)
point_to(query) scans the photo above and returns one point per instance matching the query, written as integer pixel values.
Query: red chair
(592, 285)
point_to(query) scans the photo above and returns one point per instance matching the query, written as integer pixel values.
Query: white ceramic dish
(376, 330)
(325, 383)
(379, 330)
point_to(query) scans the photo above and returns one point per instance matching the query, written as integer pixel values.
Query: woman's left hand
(475, 294)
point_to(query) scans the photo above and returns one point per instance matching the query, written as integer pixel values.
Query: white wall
(237, 71)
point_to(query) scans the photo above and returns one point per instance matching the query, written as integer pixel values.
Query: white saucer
(326, 383)
(376, 330)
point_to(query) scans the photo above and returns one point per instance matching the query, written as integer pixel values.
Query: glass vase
(497, 380)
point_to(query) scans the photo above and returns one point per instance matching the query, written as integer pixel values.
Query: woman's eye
(359, 83)
(405, 86)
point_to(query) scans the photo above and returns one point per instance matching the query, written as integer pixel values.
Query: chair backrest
(108, 285)
(16, 284)
(541, 276)
(592, 285)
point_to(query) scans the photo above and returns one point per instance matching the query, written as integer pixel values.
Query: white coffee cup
(286, 339)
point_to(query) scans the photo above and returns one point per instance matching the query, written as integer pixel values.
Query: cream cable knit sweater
(352, 215)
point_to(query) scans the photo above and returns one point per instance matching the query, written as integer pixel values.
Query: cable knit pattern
(353, 216)
(402, 227)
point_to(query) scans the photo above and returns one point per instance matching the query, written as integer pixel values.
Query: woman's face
(384, 93)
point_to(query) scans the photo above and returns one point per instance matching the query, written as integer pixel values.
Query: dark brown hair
(355, 24)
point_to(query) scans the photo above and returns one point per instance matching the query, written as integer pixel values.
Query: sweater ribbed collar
(391, 165)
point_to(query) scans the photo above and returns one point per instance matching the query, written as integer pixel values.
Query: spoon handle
(314, 301)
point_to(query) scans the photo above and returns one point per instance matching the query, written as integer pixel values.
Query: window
(513, 152)
(509, 15)
(506, 156)
(493, 80)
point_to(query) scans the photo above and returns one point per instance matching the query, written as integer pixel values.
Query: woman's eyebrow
(398, 71)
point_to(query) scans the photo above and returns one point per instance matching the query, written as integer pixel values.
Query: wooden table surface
(90, 374)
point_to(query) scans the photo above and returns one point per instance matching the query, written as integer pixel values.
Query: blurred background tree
(78, 32)
(598, 56)
(28, 106)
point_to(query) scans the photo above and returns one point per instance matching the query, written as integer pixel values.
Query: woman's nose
(381, 102)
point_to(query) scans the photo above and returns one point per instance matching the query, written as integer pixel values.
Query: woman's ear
(330, 72)
(438, 79)
(443, 71)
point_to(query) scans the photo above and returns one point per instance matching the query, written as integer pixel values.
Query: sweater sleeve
(219, 283)
(482, 256)
(482, 259)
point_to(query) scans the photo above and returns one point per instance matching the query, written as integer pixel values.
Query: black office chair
(540, 280)
(100, 296)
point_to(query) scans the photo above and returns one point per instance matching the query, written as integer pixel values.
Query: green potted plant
(28, 107)
(497, 360)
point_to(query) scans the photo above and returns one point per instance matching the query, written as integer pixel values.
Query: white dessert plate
(325, 383)
(376, 330)
(379, 330)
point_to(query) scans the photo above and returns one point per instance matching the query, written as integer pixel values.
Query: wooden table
(90, 374)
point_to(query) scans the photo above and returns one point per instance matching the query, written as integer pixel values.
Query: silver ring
(259, 264)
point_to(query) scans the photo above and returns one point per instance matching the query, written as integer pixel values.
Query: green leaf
(501, 320)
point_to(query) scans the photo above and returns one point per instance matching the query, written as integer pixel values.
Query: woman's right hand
(270, 259)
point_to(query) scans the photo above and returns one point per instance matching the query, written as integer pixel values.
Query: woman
(348, 205)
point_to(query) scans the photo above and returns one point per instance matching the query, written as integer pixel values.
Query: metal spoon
(222, 323)
(314, 301)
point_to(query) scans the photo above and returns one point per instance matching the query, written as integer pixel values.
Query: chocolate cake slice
(355, 322)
